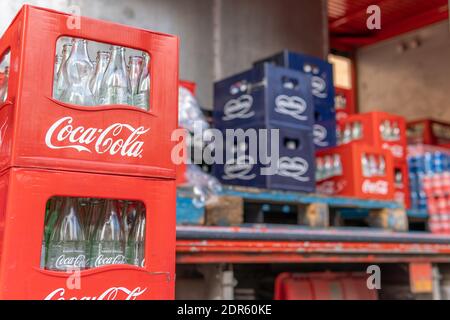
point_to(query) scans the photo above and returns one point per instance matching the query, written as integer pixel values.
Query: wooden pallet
(222, 210)
(237, 205)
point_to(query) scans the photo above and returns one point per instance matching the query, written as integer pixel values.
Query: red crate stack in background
(429, 132)
(378, 129)
(323, 286)
(115, 152)
(381, 131)
(355, 170)
(344, 103)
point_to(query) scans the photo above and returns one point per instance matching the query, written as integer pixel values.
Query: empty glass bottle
(61, 81)
(365, 165)
(108, 238)
(67, 245)
(381, 166)
(337, 165)
(357, 131)
(115, 86)
(58, 61)
(135, 250)
(328, 167)
(131, 211)
(77, 70)
(319, 169)
(96, 207)
(100, 68)
(347, 136)
(338, 136)
(395, 131)
(373, 166)
(83, 207)
(142, 98)
(51, 215)
(136, 65)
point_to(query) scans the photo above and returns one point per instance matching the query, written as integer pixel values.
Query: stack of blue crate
(267, 97)
(322, 89)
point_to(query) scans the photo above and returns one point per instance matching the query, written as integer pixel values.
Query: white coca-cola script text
(113, 293)
(63, 134)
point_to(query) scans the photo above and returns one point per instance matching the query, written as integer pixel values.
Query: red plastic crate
(352, 182)
(40, 132)
(344, 103)
(23, 197)
(401, 187)
(371, 134)
(323, 286)
(428, 131)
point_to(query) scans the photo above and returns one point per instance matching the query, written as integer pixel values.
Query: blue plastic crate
(325, 128)
(320, 70)
(265, 95)
(296, 163)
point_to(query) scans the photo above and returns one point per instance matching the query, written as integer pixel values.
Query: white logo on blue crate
(319, 87)
(294, 168)
(291, 106)
(320, 134)
(239, 108)
(239, 168)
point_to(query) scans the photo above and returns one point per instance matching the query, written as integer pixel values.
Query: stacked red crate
(429, 132)
(381, 131)
(355, 171)
(53, 148)
(323, 286)
(344, 103)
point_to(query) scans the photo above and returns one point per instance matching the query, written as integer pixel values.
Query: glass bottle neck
(70, 207)
(102, 61)
(79, 48)
(67, 49)
(118, 55)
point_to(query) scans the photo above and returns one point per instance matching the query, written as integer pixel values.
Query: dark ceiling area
(348, 19)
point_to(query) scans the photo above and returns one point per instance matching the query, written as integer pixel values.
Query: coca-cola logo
(294, 168)
(102, 260)
(63, 262)
(320, 134)
(239, 108)
(291, 106)
(64, 135)
(239, 168)
(114, 293)
(319, 87)
(331, 187)
(378, 187)
(327, 187)
(396, 150)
